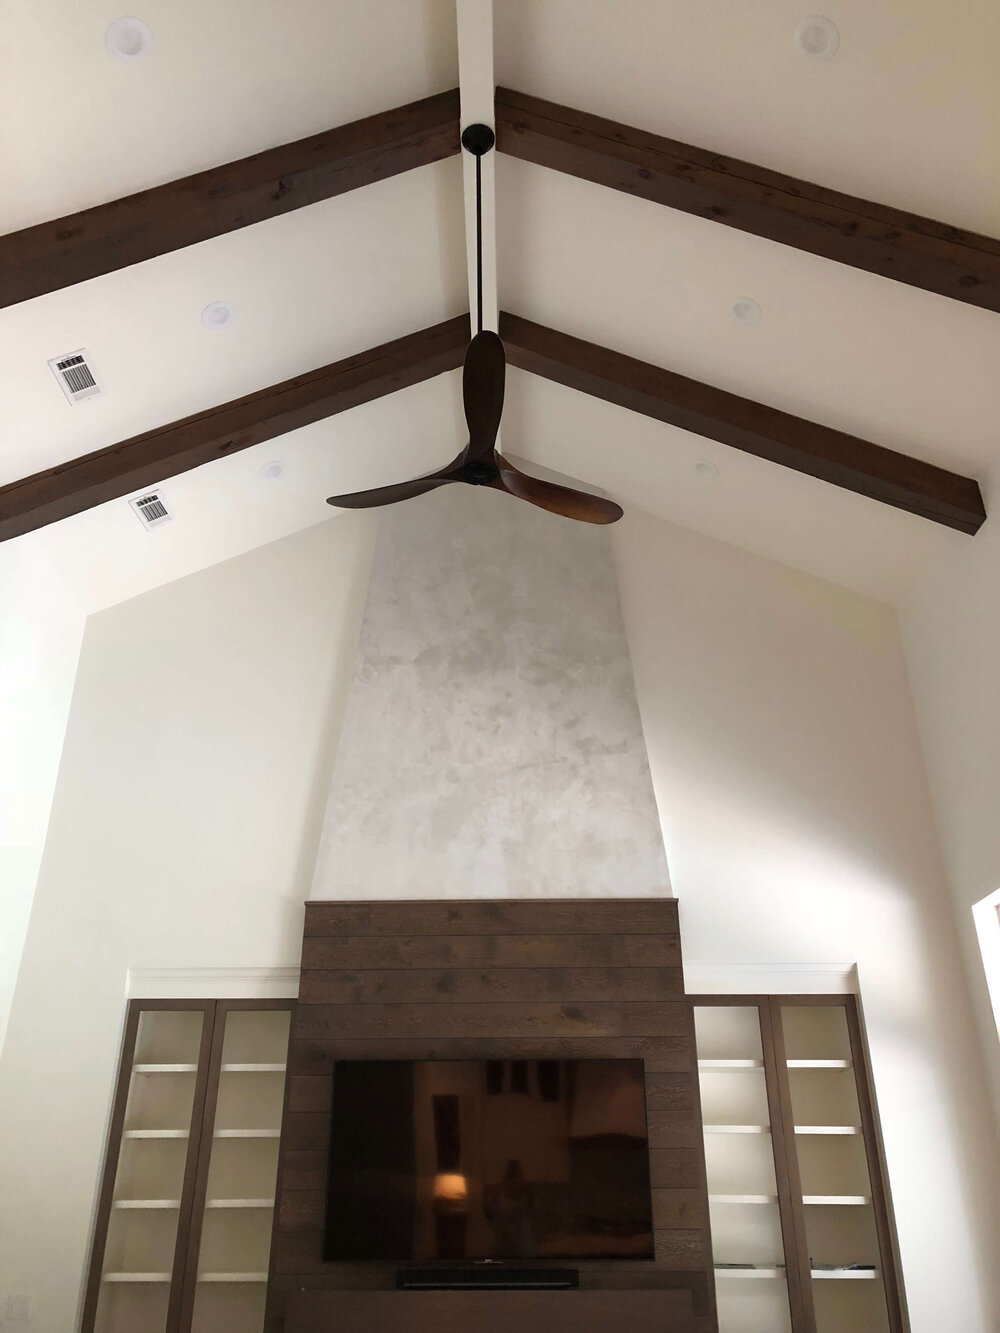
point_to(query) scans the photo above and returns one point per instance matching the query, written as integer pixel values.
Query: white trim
(213, 983)
(986, 917)
(770, 979)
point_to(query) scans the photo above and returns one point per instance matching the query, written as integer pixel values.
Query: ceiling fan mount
(480, 463)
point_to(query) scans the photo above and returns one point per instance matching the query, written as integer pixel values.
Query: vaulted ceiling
(903, 115)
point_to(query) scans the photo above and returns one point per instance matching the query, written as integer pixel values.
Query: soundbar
(487, 1278)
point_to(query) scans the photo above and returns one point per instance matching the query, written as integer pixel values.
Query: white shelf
(164, 1069)
(156, 1134)
(232, 1277)
(750, 1272)
(736, 1129)
(730, 1064)
(136, 1277)
(147, 1203)
(845, 1274)
(827, 1129)
(837, 1200)
(743, 1198)
(239, 1203)
(254, 1069)
(247, 1134)
(818, 1064)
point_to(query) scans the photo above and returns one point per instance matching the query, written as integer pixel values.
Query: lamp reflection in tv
(451, 1217)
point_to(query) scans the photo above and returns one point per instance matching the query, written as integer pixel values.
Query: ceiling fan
(480, 463)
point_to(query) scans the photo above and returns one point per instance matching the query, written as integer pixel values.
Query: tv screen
(488, 1159)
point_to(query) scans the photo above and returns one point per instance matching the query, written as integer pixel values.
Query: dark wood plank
(317, 1311)
(110, 1169)
(532, 916)
(889, 1261)
(805, 446)
(127, 231)
(356, 952)
(552, 1020)
(145, 460)
(454, 985)
(676, 1168)
(786, 1168)
(681, 1251)
(902, 246)
(317, 1056)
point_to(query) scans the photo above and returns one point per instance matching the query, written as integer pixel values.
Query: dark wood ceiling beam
(819, 451)
(146, 460)
(127, 231)
(902, 246)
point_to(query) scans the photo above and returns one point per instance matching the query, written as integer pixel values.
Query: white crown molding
(213, 983)
(770, 979)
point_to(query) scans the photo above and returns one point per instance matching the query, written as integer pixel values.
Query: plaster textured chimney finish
(491, 745)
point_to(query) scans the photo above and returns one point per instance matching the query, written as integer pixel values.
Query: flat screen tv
(488, 1160)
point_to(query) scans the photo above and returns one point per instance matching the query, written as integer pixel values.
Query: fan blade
(580, 505)
(482, 390)
(403, 490)
(388, 495)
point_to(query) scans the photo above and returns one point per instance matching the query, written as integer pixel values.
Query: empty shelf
(743, 1198)
(247, 1134)
(736, 1129)
(136, 1277)
(240, 1203)
(750, 1272)
(827, 1129)
(147, 1203)
(837, 1200)
(232, 1277)
(253, 1069)
(164, 1069)
(156, 1134)
(846, 1274)
(730, 1064)
(818, 1064)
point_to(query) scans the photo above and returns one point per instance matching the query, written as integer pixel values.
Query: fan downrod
(478, 139)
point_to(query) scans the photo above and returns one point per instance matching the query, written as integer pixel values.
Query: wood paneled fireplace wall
(524, 979)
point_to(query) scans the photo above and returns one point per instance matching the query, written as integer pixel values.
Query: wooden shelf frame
(784, 1131)
(183, 1277)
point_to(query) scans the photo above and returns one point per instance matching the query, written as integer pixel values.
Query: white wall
(951, 631)
(789, 777)
(181, 835)
(40, 631)
(798, 829)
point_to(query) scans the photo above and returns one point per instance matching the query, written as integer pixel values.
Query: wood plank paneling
(331, 952)
(490, 1312)
(661, 1054)
(454, 985)
(530, 916)
(543, 979)
(330, 1021)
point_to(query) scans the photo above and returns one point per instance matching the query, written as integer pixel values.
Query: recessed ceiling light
(128, 38)
(746, 311)
(218, 315)
(705, 470)
(272, 471)
(817, 37)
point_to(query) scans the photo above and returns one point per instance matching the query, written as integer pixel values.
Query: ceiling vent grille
(75, 376)
(151, 509)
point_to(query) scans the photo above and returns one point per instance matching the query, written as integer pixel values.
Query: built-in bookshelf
(184, 1220)
(800, 1229)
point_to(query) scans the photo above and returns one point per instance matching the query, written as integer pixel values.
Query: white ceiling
(905, 113)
